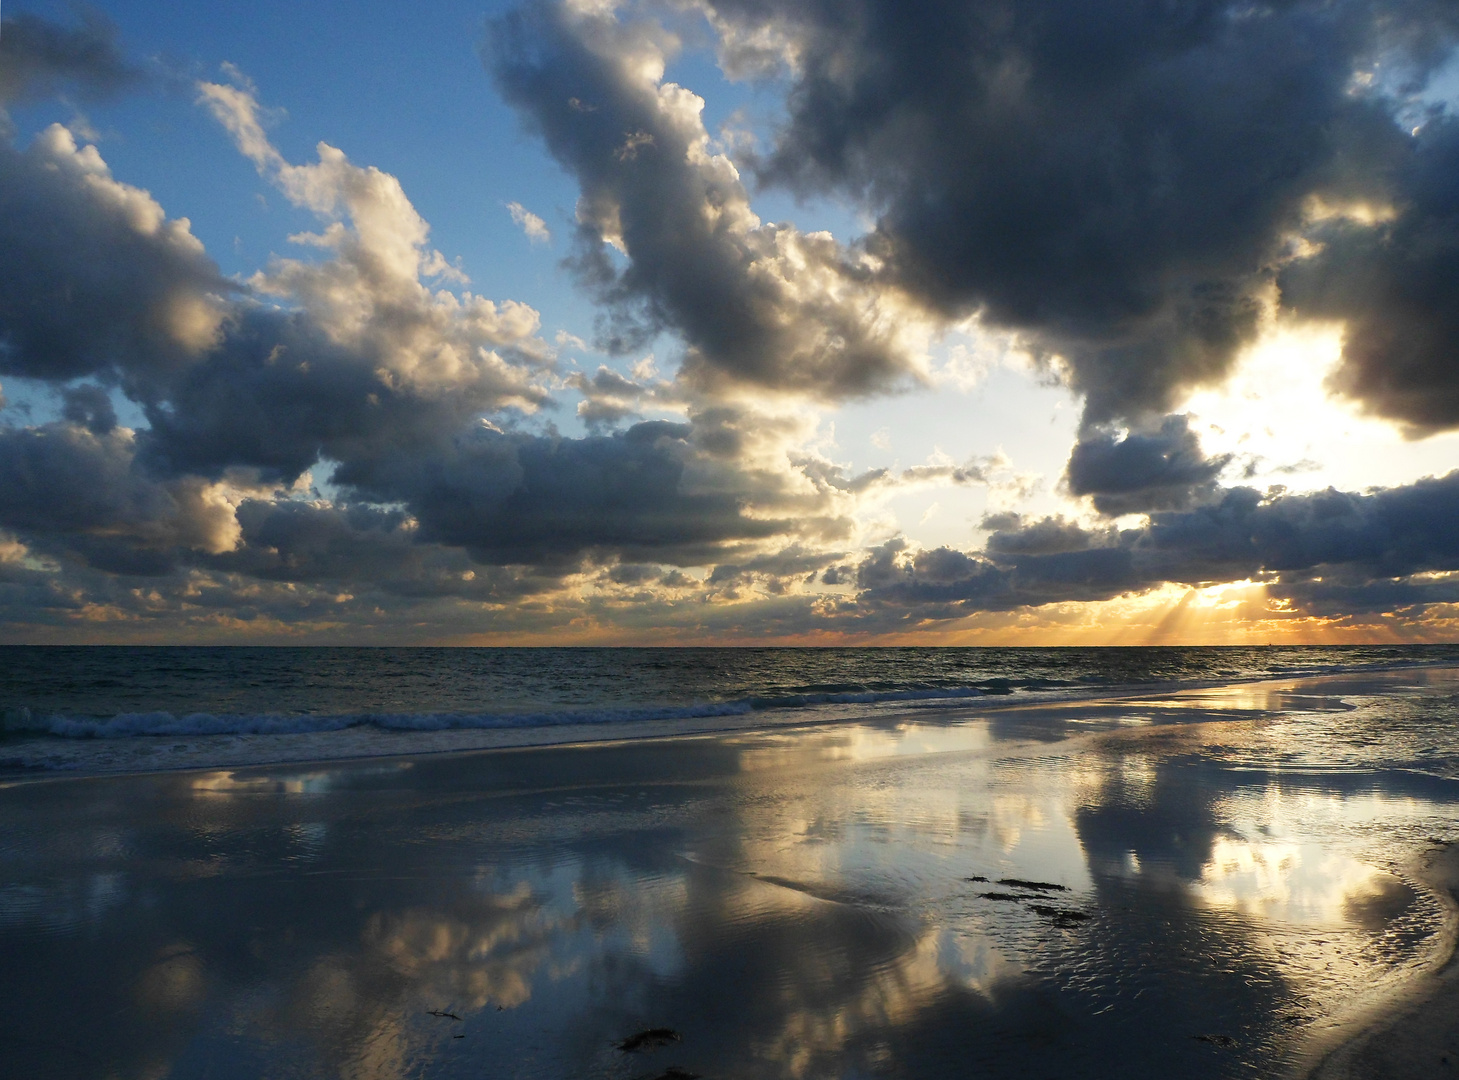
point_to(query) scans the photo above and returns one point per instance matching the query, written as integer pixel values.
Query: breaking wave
(126, 725)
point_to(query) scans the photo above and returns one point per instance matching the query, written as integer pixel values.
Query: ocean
(135, 708)
(731, 864)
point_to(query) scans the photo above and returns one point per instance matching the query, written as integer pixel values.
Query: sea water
(1126, 865)
(141, 708)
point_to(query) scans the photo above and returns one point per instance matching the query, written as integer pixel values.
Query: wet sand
(1416, 1036)
(1194, 884)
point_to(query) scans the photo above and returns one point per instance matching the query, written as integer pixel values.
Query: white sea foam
(89, 711)
(125, 725)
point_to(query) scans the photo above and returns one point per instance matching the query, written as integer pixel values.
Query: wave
(126, 725)
(810, 697)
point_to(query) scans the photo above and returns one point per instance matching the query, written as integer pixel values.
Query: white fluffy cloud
(534, 227)
(759, 305)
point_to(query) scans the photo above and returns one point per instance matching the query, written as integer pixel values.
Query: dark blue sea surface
(137, 709)
(122, 691)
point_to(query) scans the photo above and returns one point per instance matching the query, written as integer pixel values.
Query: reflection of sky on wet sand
(797, 904)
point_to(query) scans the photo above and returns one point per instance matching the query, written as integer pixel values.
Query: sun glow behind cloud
(1234, 613)
(1278, 416)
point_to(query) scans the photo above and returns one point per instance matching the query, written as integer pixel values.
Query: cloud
(1118, 184)
(354, 361)
(451, 504)
(373, 551)
(757, 304)
(90, 407)
(39, 59)
(77, 492)
(938, 472)
(385, 377)
(1045, 536)
(1394, 282)
(518, 498)
(608, 397)
(98, 278)
(1137, 472)
(1385, 549)
(358, 355)
(281, 395)
(776, 569)
(533, 226)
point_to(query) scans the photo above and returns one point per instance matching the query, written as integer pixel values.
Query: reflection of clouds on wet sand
(487, 958)
(315, 782)
(816, 1029)
(870, 899)
(364, 1010)
(1292, 881)
(174, 983)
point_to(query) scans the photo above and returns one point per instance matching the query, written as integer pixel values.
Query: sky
(741, 322)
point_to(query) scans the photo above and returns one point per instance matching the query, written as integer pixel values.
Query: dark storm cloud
(90, 407)
(1143, 471)
(1118, 180)
(166, 559)
(520, 498)
(306, 541)
(942, 583)
(89, 495)
(936, 584)
(76, 492)
(96, 278)
(277, 394)
(273, 399)
(40, 59)
(1337, 597)
(357, 545)
(763, 304)
(1388, 548)
(1047, 536)
(1396, 285)
(1388, 533)
(93, 472)
(777, 569)
(634, 574)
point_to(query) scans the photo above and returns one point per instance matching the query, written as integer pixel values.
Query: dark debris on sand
(1061, 917)
(1225, 1041)
(651, 1039)
(976, 877)
(1037, 886)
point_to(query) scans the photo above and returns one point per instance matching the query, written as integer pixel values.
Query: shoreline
(1415, 1032)
(407, 828)
(321, 748)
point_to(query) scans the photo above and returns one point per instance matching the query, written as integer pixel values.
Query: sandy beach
(1213, 882)
(1417, 1034)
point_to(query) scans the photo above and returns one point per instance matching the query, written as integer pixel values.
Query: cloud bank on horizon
(349, 443)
